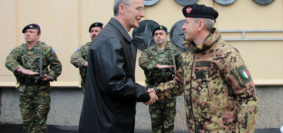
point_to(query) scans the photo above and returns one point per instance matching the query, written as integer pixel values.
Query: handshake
(153, 96)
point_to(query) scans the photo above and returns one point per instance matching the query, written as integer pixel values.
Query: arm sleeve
(171, 88)
(243, 89)
(112, 73)
(178, 58)
(77, 58)
(145, 62)
(54, 65)
(12, 60)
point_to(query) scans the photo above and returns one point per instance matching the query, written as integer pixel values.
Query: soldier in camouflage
(34, 64)
(79, 58)
(159, 63)
(219, 93)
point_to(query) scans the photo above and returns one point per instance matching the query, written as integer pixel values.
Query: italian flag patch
(245, 74)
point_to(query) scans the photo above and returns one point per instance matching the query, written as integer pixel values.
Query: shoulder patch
(245, 74)
(78, 49)
(53, 50)
(242, 75)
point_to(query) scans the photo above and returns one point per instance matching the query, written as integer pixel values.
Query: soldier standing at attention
(34, 64)
(159, 63)
(79, 58)
(219, 93)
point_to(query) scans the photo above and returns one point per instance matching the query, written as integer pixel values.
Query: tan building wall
(65, 26)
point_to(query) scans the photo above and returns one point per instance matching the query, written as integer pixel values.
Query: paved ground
(8, 128)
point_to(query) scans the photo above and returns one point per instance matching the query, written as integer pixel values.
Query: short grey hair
(117, 3)
(208, 23)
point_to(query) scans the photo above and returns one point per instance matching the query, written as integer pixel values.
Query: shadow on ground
(11, 128)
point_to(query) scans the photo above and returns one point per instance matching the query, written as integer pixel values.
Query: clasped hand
(153, 97)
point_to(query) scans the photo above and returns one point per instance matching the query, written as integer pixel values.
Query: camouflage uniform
(219, 93)
(162, 112)
(78, 59)
(34, 92)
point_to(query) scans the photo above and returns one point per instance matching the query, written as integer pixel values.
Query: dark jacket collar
(120, 28)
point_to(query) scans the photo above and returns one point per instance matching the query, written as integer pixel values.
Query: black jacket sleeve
(114, 78)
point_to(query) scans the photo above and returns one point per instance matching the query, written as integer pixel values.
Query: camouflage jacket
(21, 56)
(78, 59)
(170, 55)
(219, 93)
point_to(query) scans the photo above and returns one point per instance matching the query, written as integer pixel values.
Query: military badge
(245, 74)
(242, 75)
(53, 50)
(189, 10)
(200, 74)
(78, 49)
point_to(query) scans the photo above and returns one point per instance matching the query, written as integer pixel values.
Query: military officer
(79, 58)
(34, 64)
(159, 63)
(219, 93)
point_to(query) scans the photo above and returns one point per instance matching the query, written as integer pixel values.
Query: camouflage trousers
(162, 115)
(34, 107)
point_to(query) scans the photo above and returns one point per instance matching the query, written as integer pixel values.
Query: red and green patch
(245, 74)
(242, 75)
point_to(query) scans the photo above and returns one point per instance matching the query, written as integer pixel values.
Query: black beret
(160, 27)
(200, 11)
(31, 26)
(95, 24)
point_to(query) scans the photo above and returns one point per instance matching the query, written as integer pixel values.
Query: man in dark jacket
(109, 104)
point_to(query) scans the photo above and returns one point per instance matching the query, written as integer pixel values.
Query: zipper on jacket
(191, 103)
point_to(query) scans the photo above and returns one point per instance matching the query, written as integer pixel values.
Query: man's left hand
(163, 66)
(153, 97)
(46, 77)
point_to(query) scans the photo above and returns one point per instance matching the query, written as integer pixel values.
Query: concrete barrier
(66, 106)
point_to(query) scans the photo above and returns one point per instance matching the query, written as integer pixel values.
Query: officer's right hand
(26, 71)
(46, 77)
